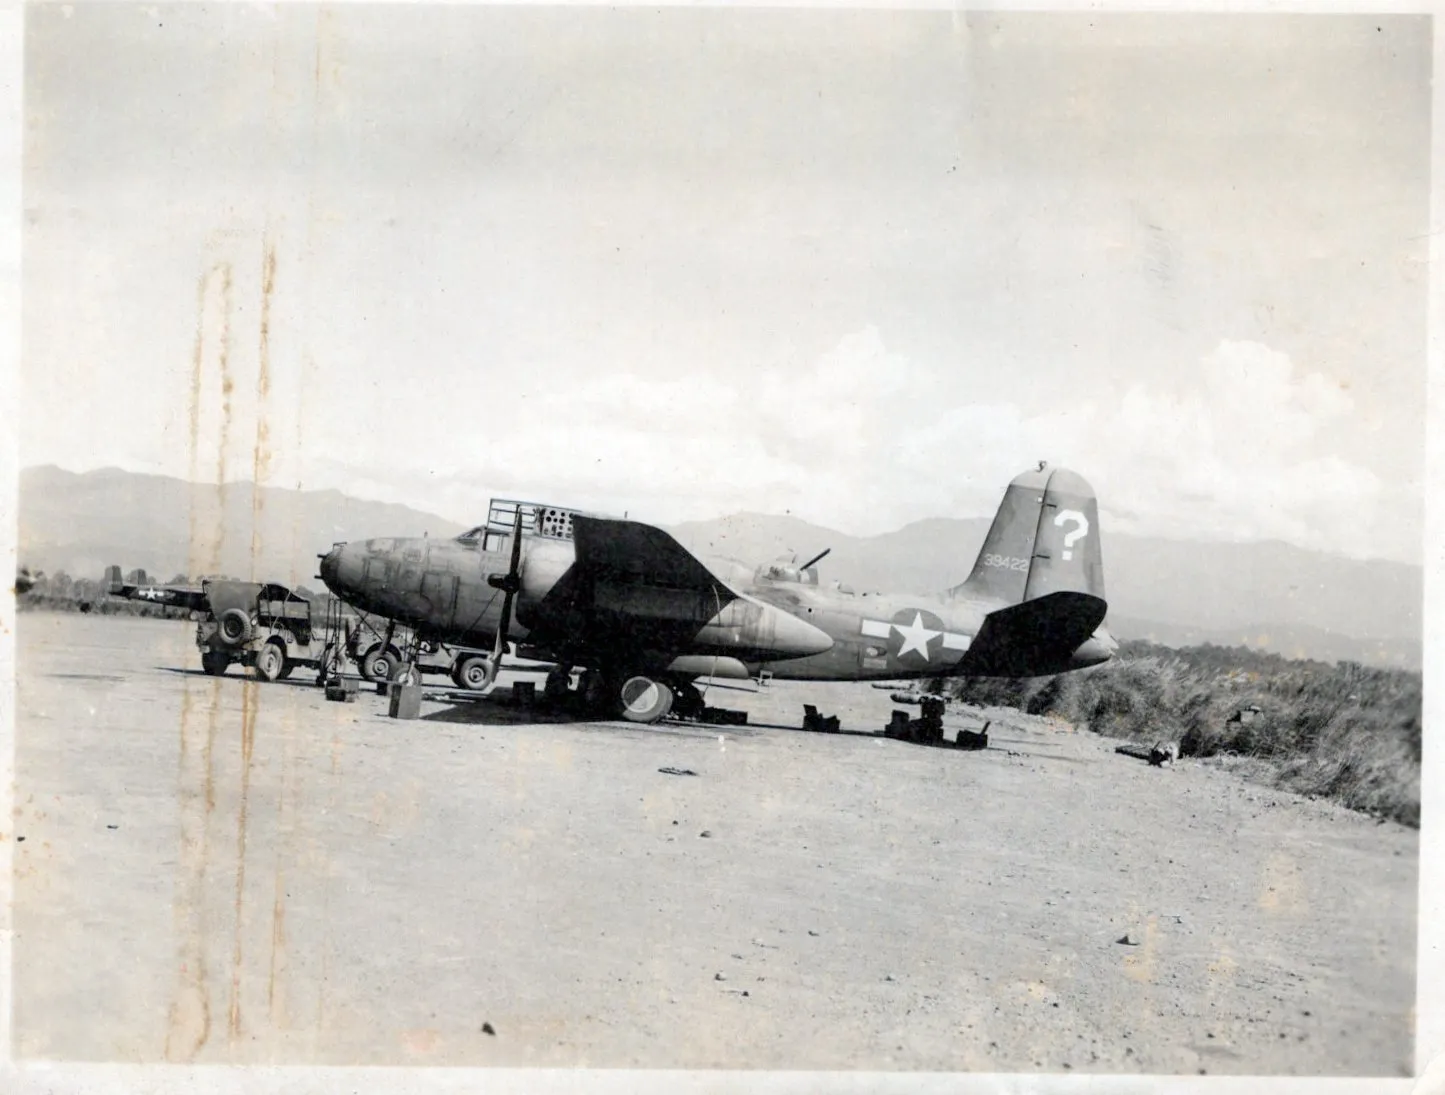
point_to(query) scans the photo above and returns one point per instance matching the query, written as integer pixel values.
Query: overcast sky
(859, 267)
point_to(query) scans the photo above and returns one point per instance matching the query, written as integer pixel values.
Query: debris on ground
(972, 739)
(824, 724)
(723, 716)
(705, 833)
(1127, 940)
(677, 772)
(487, 1029)
(927, 729)
(1158, 754)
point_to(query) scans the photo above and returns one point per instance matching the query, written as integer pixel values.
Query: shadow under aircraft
(645, 618)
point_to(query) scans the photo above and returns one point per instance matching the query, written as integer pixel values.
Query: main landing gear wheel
(476, 673)
(645, 700)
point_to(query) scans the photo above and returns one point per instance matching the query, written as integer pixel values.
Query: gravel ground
(215, 870)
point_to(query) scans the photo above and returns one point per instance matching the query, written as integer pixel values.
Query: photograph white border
(102, 1078)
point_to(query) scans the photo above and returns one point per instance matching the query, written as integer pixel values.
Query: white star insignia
(915, 636)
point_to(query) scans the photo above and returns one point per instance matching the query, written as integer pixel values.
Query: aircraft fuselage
(789, 629)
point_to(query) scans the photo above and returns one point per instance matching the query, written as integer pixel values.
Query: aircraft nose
(341, 569)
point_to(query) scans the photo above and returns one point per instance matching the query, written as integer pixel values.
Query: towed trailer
(385, 650)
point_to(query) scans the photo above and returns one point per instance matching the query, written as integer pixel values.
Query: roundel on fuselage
(915, 638)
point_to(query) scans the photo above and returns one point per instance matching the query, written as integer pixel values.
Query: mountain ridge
(1273, 594)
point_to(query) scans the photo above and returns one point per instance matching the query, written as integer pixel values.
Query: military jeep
(258, 624)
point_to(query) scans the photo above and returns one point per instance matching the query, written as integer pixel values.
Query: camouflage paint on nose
(343, 571)
(330, 564)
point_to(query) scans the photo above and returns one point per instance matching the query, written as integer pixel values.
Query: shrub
(1346, 731)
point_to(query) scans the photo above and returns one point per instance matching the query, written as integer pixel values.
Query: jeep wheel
(271, 661)
(215, 662)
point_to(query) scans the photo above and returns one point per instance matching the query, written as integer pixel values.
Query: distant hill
(81, 523)
(1270, 595)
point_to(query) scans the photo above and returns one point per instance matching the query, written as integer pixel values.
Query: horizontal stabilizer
(1035, 638)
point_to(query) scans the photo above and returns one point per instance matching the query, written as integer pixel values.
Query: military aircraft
(627, 603)
(194, 598)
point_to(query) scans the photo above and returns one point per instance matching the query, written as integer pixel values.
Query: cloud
(857, 440)
(1246, 451)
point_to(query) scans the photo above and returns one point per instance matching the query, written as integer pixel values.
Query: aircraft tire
(215, 662)
(234, 627)
(271, 661)
(380, 664)
(645, 700)
(476, 673)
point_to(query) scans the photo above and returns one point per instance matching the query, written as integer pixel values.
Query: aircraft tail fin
(114, 581)
(1044, 539)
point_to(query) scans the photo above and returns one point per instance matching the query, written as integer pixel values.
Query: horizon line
(302, 489)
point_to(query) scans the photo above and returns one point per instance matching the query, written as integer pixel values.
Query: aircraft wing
(630, 552)
(632, 589)
(191, 597)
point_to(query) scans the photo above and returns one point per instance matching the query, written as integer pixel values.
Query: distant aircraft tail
(1042, 565)
(115, 582)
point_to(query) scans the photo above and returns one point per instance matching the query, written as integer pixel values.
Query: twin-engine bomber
(645, 618)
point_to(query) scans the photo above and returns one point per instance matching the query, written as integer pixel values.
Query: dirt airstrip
(217, 870)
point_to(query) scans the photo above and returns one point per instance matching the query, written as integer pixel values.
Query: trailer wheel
(476, 673)
(271, 661)
(380, 664)
(215, 662)
(234, 627)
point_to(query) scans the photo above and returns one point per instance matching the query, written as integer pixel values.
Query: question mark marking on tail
(1080, 530)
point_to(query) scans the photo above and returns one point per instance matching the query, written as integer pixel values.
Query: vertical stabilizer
(1067, 558)
(1001, 572)
(1044, 539)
